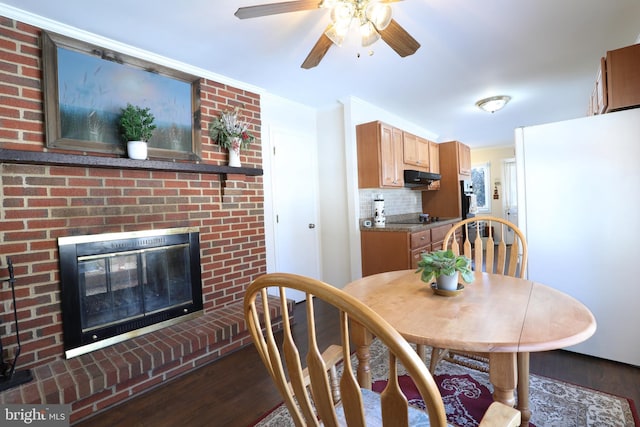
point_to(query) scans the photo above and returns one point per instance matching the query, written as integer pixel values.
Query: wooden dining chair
(484, 239)
(320, 394)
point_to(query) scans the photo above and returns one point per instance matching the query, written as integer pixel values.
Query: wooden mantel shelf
(59, 159)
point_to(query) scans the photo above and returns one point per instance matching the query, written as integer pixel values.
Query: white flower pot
(447, 282)
(234, 158)
(234, 153)
(137, 150)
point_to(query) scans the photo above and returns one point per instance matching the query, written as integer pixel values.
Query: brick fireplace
(42, 200)
(116, 286)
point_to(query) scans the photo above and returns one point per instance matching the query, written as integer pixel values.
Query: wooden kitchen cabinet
(398, 250)
(455, 166)
(384, 251)
(434, 157)
(437, 236)
(392, 250)
(416, 153)
(623, 78)
(464, 159)
(456, 156)
(420, 244)
(617, 85)
(380, 155)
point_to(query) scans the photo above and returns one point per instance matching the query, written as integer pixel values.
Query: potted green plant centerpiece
(444, 266)
(136, 128)
(232, 132)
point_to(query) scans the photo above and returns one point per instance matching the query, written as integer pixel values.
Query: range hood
(413, 178)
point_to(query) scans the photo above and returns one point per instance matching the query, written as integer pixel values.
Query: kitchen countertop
(391, 226)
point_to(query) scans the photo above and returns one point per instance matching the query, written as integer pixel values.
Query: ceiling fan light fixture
(341, 15)
(379, 14)
(337, 33)
(328, 4)
(369, 34)
(342, 12)
(493, 103)
(372, 15)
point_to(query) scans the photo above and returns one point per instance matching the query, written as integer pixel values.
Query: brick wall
(40, 203)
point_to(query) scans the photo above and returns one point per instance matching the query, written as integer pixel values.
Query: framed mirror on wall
(86, 86)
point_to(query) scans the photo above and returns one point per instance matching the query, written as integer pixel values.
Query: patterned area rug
(467, 394)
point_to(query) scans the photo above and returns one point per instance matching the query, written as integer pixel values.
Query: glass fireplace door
(127, 285)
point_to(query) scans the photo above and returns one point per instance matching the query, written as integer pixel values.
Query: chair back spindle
(489, 253)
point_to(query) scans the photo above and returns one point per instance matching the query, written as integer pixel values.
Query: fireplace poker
(9, 378)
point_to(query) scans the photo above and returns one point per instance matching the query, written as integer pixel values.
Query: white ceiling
(543, 53)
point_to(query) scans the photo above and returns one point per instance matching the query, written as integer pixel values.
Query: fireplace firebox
(116, 286)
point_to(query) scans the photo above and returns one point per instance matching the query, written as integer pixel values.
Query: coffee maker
(379, 218)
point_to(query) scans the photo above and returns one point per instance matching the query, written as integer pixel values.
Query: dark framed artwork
(85, 88)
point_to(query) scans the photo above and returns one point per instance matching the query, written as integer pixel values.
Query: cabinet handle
(312, 226)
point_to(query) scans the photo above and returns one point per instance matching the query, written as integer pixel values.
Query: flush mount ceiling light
(371, 17)
(493, 103)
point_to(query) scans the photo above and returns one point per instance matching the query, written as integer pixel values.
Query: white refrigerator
(579, 206)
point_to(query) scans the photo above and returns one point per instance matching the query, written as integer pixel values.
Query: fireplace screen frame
(75, 249)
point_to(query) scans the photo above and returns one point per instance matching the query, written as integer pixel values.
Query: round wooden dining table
(504, 316)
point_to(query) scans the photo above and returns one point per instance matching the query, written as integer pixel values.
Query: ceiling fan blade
(276, 8)
(399, 40)
(318, 52)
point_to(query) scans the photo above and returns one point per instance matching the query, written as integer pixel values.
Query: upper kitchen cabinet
(464, 159)
(434, 157)
(416, 153)
(456, 156)
(618, 81)
(623, 78)
(455, 166)
(380, 155)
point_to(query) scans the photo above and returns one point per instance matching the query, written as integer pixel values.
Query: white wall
(333, 196)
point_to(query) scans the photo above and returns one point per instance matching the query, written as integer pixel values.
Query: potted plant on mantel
(232, 132)
(136, 128)
(445, 266)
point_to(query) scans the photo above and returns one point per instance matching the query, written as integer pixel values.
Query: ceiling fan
(373, 17)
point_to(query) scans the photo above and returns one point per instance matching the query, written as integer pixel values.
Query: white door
(294, 193)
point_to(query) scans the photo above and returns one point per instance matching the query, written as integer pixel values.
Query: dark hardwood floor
(236, 390)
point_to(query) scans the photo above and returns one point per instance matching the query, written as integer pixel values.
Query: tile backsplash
(396, 201)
